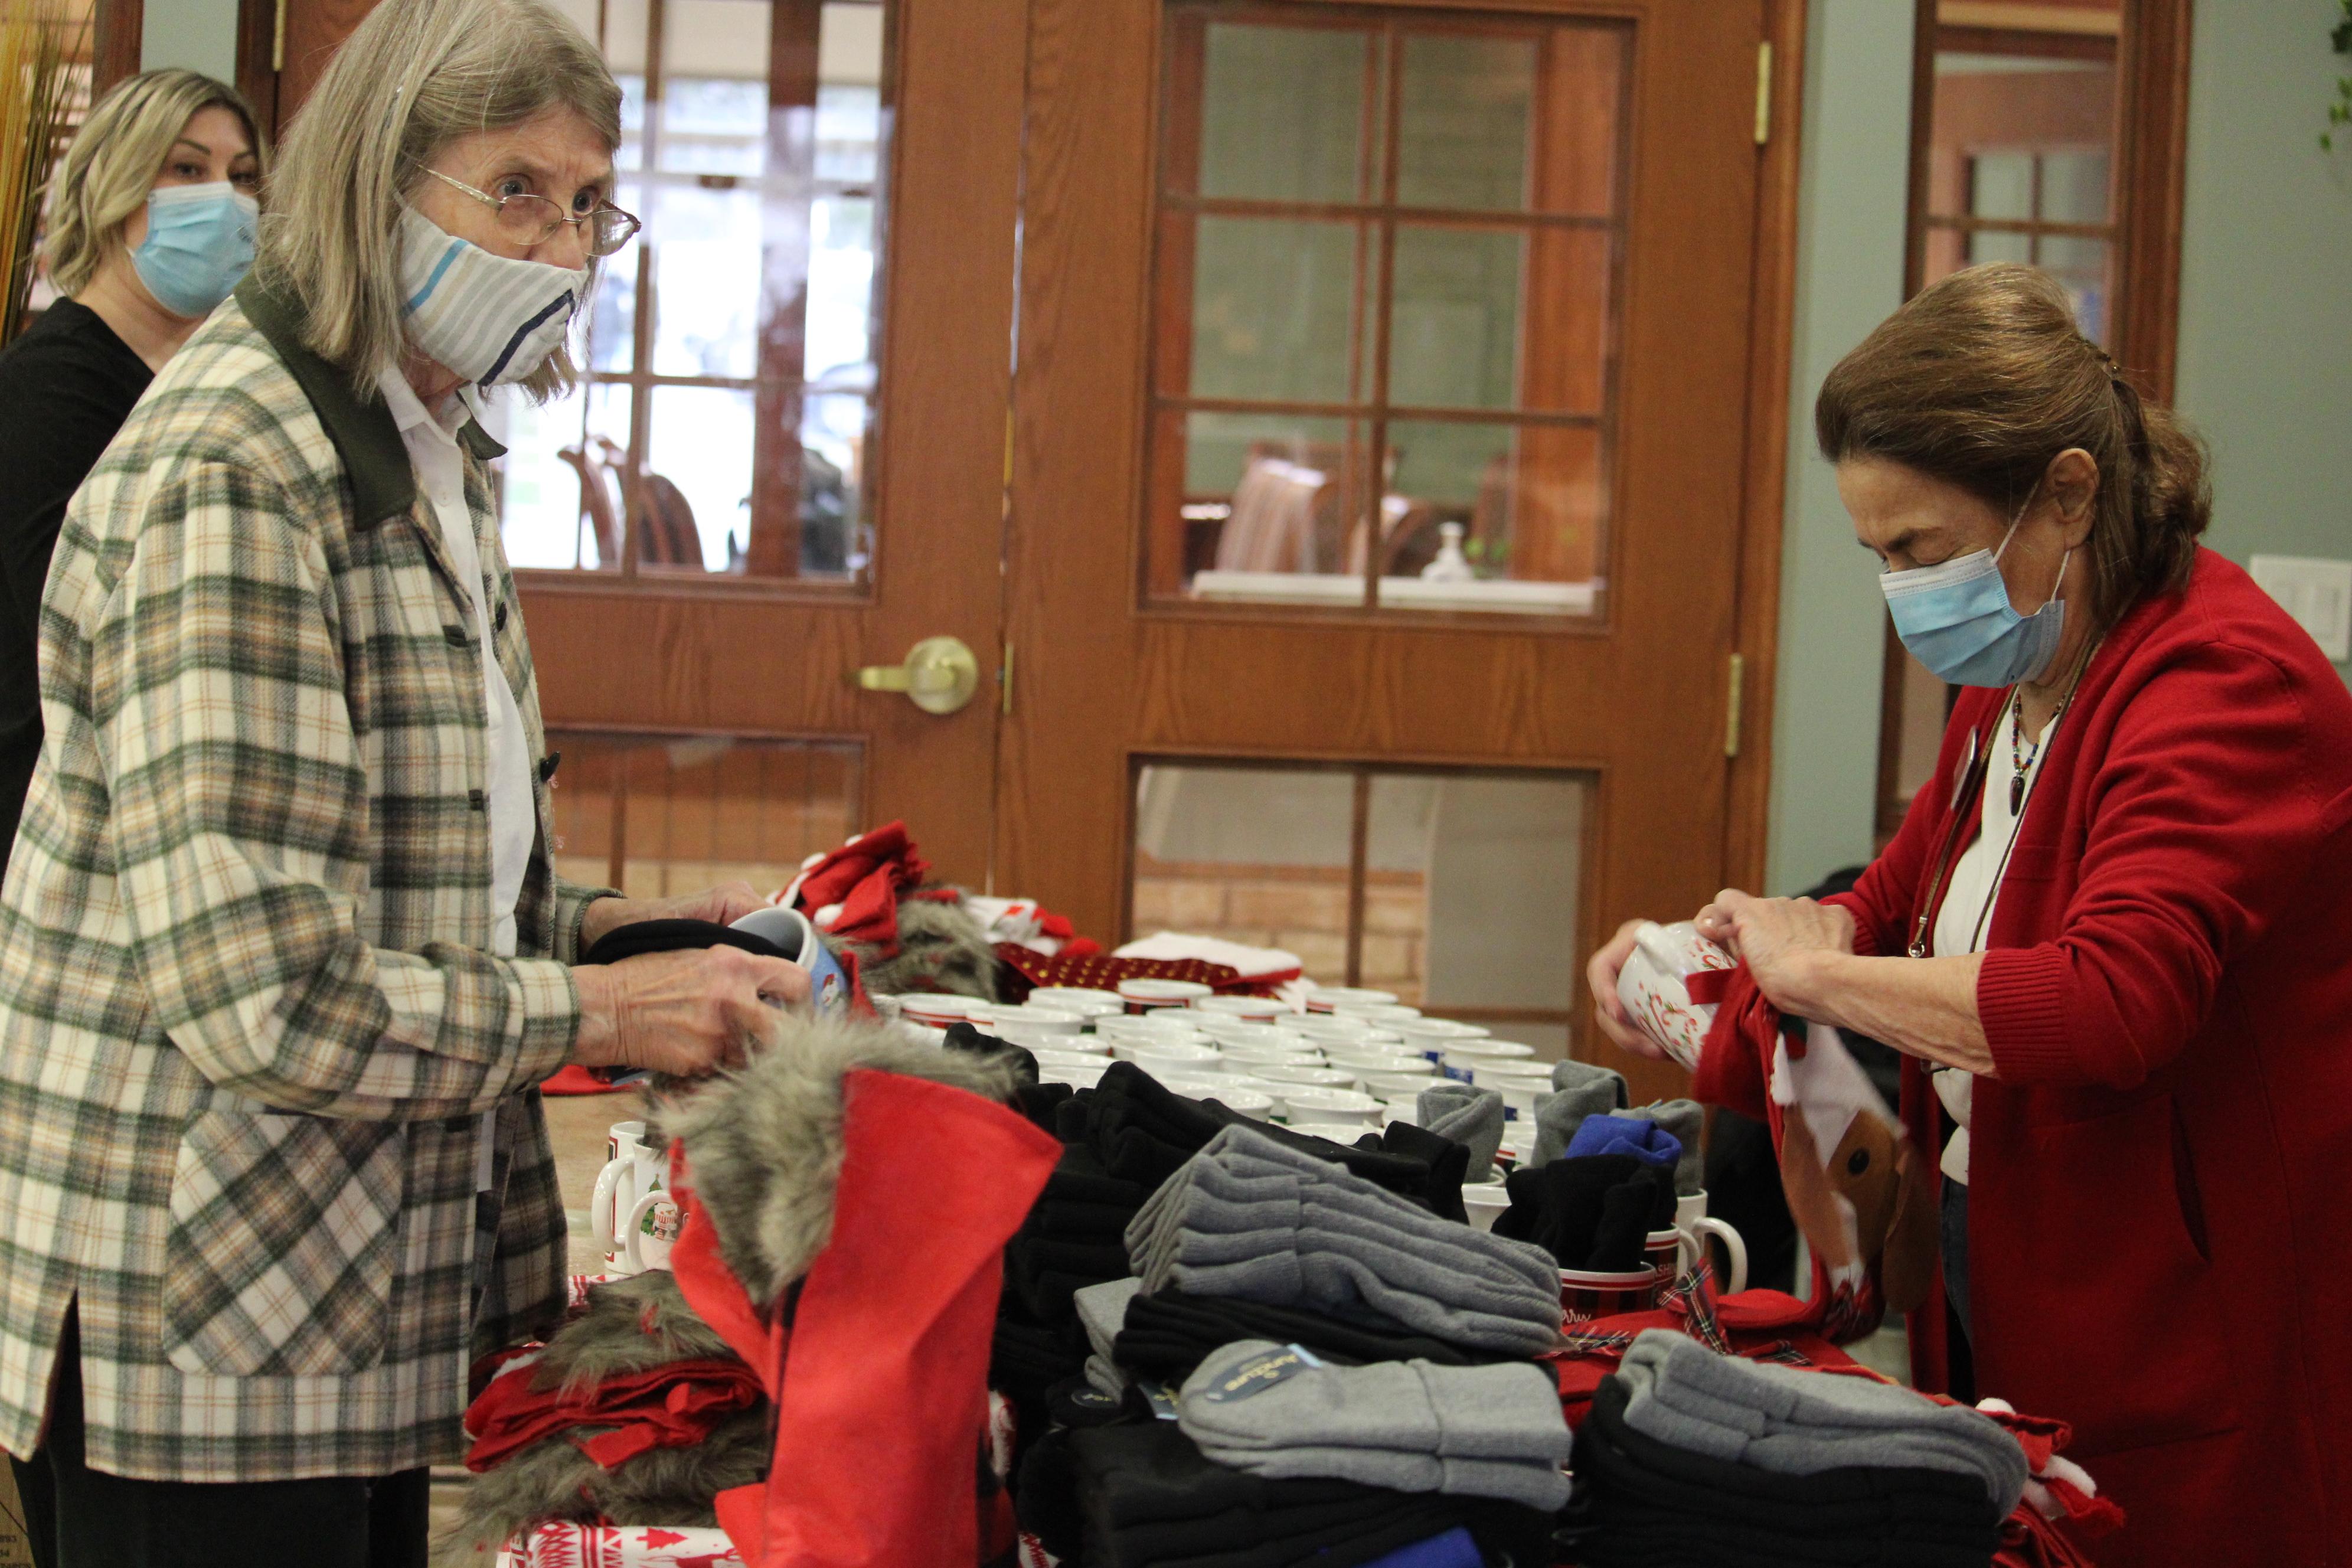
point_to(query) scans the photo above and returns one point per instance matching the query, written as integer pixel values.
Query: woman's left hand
(1777, 938)
(723, 905)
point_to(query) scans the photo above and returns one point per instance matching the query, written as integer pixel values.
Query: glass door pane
(725, 428)
(1387, 299)
(2020, 155)
(1456, 891)
(658, 816)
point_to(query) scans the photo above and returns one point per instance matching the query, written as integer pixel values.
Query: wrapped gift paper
(622, 1546)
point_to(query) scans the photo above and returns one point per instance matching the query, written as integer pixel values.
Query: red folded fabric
(673, 1405)
(1760, 1325)
(1100, 972)
(852, 893)
(574, 1078)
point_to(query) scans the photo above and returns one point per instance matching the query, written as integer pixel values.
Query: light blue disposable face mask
(1955, 618)
(199, 243)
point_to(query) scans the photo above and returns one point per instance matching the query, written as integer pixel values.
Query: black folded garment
(1143, 1131)
(1145, 1498)
(1073, 1238)
(1168, 1335)
(1593, 1212)
(1641, 1503)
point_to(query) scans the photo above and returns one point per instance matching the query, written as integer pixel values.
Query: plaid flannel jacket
(248, 1022)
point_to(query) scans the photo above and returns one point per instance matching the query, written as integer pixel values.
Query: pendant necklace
(2021, 760)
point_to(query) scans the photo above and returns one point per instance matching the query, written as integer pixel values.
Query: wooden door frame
(1057, 316)
(2151, 153)
(1756, 636)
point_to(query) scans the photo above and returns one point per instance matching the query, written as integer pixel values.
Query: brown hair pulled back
(1982, 379)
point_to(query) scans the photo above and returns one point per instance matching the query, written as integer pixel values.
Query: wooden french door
(1313, 294)
(786, 463)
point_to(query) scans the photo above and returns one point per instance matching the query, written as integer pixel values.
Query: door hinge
(1763, 93)
(277, 40)
(1732, 712)
(1004, 684)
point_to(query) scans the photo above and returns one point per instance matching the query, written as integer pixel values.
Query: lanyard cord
(1971, 784)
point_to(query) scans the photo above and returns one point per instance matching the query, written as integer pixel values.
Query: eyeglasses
(528, 219)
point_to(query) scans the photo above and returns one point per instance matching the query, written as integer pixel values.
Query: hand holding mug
(686, 1013)
(1608, 1011)
(1775, 937)
(723, 905)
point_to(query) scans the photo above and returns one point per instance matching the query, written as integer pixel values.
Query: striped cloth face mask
(489, 317)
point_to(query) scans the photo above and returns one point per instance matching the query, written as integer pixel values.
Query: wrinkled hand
(1776, 937)
(1601, 973)
(723, 905)
(687, 1014)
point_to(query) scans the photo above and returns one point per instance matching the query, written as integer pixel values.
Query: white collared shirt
(513, 815)
(1970, 898)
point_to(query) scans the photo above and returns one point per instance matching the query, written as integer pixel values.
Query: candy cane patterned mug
(1655, 990)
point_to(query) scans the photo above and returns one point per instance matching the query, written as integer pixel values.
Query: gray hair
(114, 159)
(413, 76)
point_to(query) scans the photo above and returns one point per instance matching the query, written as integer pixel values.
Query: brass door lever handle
(938, 677)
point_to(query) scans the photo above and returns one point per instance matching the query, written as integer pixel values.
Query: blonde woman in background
(283, 954)
(150, 225)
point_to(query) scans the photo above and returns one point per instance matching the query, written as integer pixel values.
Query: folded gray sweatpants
(1250, 1217)
(1686, 1121)
(1579, 1089)
(1798, 1423)
(1471, 1117)
(1481, 1431)
(1102, 1310)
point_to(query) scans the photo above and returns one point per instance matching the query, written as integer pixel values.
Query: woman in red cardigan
(2112, 937)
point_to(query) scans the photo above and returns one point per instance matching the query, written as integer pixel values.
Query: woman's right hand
(1608, 1012)
(686, 1013)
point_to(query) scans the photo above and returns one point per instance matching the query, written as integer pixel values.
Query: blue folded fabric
(1454, 1549)
(1645, 1141)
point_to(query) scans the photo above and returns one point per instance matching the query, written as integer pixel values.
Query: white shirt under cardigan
(1970, 898)
(512, 814)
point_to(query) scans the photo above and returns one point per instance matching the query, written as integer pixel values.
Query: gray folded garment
(1252, 1218)
(1797, 1422)
(1102, 1311)
(1579, 1089)
(1480, 1431)
(1471, 1117)
(1686, 1119)
(1106, 1376)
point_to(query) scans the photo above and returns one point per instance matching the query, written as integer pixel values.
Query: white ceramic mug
(1652, 988)
(650, 1231)
(1693, 1220)
(634, 1170)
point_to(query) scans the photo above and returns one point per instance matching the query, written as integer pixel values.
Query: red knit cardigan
(2159, 1227)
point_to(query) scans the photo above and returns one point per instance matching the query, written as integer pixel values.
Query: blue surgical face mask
(1955, 618)
(199, 242)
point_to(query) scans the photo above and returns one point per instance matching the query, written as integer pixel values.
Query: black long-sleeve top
(66, 386)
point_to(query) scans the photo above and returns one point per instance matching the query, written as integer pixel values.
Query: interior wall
(199, 35)
(2266, 270)
(1851, 204)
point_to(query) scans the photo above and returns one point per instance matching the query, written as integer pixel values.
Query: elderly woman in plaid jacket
(282, 953)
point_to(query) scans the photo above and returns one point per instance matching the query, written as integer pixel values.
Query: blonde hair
(413, 76)
(114, 159)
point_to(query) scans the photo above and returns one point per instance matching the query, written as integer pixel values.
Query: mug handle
(601, 1202)
(1700, 1229)
(652, 1196)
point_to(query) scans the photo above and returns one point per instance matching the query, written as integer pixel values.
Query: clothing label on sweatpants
(1259, 1373)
